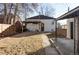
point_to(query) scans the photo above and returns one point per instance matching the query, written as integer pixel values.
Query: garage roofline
(70, 14)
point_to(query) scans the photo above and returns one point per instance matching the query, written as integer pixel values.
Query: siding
(76, 26)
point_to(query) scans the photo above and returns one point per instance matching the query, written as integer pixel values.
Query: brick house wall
(11, 29)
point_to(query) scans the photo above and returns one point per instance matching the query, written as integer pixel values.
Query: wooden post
(26, 26)
(74, 36)
(40, 27)
(78, 36)
(22, 27)
(56, 30)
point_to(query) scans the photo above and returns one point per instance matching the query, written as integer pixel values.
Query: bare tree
(5, 12)
(17, 8)
(44, 9)
(15, 12)
(9, 14)
(25, 9)
(28, 8)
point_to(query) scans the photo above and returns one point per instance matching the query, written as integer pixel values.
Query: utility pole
(68, 8)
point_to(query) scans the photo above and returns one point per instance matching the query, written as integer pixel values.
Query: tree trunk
(15, 13)
(5, 13)
(9, 16)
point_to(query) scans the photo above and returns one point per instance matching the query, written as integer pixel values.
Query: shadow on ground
(26, 34)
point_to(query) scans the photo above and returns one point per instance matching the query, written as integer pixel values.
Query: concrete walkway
(49, 50)
(66, 46)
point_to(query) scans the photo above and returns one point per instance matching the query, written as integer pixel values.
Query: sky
(39, 1)
(61, 8)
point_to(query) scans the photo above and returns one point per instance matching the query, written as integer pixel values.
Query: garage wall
(33, 27)
(68, 27)
(76, 26)
(49, 24)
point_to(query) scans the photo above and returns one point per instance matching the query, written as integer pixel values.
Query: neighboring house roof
(70, 14)
(41, 17)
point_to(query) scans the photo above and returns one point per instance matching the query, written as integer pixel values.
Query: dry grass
(23, 45)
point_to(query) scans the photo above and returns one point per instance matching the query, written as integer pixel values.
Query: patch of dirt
(23, 45)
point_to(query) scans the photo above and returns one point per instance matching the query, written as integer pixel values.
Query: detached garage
(40, 23)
